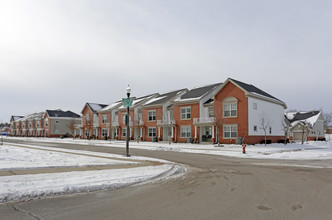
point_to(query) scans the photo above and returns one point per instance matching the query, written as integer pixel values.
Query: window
(152, 115)
(211, 111)
(152, 132)
(185, 131)
(104, 119)
(124, 115)
(104, 132)
(46, 122)
(230, 131)
(186, 113)
(230, 110)
(30, 125)
(255, 128)
(87, 119)
(255, 106)
(270, 130)
(46, 133)
(38, 124)
(124, 132)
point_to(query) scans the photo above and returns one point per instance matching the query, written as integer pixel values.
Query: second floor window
(211, 111)
(104, 119)
(186, 113)
(152, 115)
(230, 110)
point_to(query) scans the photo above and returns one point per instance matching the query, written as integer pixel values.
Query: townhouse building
(90, 121)
(157, 116)
(229, 112)
(109, 121)
(15, 125)
(193, 115)
(245, 113)
(136, 124)
(59, 123)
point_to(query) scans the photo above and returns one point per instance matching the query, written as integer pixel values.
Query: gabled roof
(96, 107)
(304, 117)
(253, 91)
(110, 107)
(198, 92)
(162, 98)
(15, 118)
(140, 100)
(62, 114)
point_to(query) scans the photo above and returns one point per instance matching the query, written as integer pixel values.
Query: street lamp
(127, 121)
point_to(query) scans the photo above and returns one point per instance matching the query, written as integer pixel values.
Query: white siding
(273, 111)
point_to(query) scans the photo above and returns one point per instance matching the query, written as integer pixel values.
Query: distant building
(306, 126)
(58, 123)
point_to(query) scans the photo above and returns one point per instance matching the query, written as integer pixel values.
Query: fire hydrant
(244, 148)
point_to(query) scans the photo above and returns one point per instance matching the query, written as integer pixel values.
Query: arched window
(230, 107)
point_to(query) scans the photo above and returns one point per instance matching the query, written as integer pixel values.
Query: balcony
(204, 121)
(163, 123)
(115, 124)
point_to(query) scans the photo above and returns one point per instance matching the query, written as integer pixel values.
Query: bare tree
(305, 131)
(264, 123)
(137, 124)
(89, 124)
(72, 127)
(217, 122)
(285, 125)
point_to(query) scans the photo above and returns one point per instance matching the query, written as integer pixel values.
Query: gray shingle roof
(199, 92)
(253, 89)
(62, 114)
(299, 116)
(160, 99)
(95, 106)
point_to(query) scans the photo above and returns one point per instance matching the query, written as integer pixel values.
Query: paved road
(215, 188)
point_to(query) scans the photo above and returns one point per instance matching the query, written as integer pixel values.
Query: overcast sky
(61, 54)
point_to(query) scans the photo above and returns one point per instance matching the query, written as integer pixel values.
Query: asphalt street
(215, 187)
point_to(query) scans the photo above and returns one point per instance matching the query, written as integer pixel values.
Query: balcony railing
(204, 120)
(165, 122)
(115, 123)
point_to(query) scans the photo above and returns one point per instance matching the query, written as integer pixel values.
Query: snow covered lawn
(22, 187)
(296, 151)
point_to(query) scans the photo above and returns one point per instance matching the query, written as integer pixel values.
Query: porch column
(172, 132)
(158, 132)
(195, 131)
(212, 131)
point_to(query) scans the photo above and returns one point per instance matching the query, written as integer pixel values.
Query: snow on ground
(25, 158)
(295, 151)
(23, 187)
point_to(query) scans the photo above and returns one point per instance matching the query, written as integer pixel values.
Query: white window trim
(231, 126)
(186, 113)
(181, 131)
(124, 129)
(104, 119)
(154, 114)
(154, 132)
